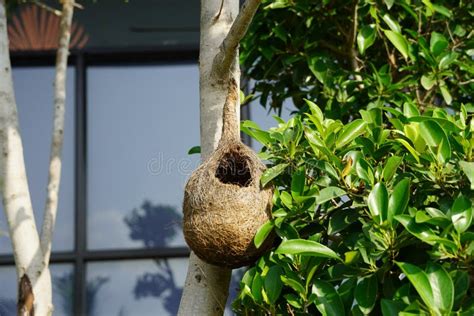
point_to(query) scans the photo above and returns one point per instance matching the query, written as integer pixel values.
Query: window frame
(80, 256)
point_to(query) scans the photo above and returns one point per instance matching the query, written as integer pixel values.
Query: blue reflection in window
(34, 95)
(141, 123)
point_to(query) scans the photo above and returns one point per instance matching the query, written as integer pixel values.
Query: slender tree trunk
(27, 251)
(207, 286)
(58, 128)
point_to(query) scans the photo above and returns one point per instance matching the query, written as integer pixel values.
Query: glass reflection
(34, 95)
(141, 125)
(62, 293)
(142, 287)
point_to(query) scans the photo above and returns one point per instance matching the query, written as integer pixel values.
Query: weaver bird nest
(224, 203)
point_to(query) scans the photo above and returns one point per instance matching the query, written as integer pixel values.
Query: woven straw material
(224, 203)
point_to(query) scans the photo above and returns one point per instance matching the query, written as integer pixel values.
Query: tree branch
(54, 177)
(229, 48)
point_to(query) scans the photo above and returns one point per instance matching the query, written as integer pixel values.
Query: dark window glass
(34, 95)
(139, 287)
(63, 289)
(141, 123)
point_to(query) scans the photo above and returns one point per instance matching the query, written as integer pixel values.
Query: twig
(58, 129)
(228, 50)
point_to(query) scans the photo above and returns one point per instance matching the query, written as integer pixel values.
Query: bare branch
(229, 47)
(58, 128)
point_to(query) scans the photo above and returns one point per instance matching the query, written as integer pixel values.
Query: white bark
(27, 251)
(58, 129)
(207, 286)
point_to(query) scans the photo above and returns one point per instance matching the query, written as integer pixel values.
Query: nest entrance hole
(234, 168)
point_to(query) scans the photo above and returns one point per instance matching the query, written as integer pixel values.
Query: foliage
(374, 216)
(347, 55)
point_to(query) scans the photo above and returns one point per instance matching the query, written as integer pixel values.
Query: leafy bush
(374, 216)
(348, 55)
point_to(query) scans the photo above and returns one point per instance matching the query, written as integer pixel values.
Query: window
(118, 247)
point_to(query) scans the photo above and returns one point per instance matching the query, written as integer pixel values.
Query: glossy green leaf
(398, 201)
(298, 182)
(272, 173)
(391, 167)
(262, 233)
(294, 284)
(434, 135)
(428, 81)
(391, 308)
(194, 150)
(442, 10)
(442, 288)
(399, 41)
(366, 293)
(328, 194)
(257, 286)
(461, 214)
(420, 282)
(392, 24)
(410, 149)
(423, 231)
(305, 247)
(438, 43)
(389, 3)
(350, 132)
(378, 203)
(327, 300)
(273, 284)
(468, 168)
(446, 94)
(365, 38)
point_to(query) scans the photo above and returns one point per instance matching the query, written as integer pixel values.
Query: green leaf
(438, 43)
(446, 94)
(194, 150)
(294, 284)
(252, 129)
(442, 287)
(366, 293)
(399, 41)
(468, 168)
(365, 38)
(409, 148)
(461, 284)
(420, 282)
(391, 308)
(461, 214)
(398, 201)
(328, 194)
(327, 300)
(257, 285)
(392, 24)
(350, 132)
(273, 284)
(389, 3)
(378, 203)
(305, 247)
(428, 82)
(262, 233)
(442, 10)
(423, 231)
(298, 182)
(391, 167)
(272, 173)
(434, 135)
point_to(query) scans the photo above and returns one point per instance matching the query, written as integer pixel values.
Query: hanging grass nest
(224, 203)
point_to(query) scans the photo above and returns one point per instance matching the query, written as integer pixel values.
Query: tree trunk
(27, 251)
(222, 27)
(58, 129)
(207, 286)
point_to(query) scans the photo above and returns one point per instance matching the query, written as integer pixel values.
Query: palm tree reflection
(156, 226)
